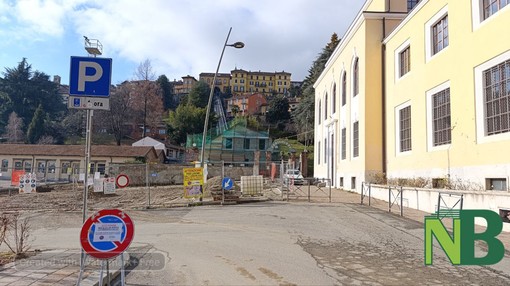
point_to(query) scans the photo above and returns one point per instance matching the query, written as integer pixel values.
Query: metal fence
(311, 189)
(395, 196)
(160, 185)
(446, 201)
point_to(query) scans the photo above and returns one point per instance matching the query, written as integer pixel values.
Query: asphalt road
(276, 243)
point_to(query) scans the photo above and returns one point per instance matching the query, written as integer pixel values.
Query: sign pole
(85, 182)
(87, 162)
(222, 187)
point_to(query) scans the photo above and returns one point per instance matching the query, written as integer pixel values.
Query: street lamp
(237, 45)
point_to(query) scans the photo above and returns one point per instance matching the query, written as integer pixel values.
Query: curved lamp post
(237, 45)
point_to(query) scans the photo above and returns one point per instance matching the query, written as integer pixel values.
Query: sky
(179, 37)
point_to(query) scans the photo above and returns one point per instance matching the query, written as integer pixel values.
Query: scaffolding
(237, 144)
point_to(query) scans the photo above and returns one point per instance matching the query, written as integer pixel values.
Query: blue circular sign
(97, 241)
(227, 183)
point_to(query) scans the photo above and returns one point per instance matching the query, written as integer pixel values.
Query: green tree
(36, 128)
(166, 86)
(234, 109)
(303, 115)
(278, 110)
(186, 119)
(199, 94)
(23, 90)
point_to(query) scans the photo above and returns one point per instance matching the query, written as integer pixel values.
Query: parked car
(293, 176)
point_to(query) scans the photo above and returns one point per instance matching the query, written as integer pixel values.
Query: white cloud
(185, 37)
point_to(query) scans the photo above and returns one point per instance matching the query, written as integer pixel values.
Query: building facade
(267, 83)
(59, 162)
(184, 86)
(222, 80)
(448, 94)
(348, 102)
(433, 96)
(241, 82)
(248, 104)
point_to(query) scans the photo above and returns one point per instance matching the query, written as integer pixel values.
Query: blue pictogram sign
(227, 183)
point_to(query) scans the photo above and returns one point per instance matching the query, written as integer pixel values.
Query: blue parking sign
(90, 76)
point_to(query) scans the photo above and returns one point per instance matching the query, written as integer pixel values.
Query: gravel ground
(69, 197)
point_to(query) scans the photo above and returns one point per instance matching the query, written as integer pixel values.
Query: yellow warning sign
(193, 182)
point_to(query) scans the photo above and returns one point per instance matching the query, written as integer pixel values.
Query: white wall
(427, 199)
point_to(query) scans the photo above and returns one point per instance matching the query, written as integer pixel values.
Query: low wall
(427, 199)
(172, 174)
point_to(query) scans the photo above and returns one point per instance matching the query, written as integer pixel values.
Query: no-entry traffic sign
(122, 181)
(107, 233)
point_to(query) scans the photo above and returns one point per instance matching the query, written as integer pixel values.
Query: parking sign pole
(87, 162)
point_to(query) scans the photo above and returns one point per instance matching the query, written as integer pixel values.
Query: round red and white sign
(122, 181)
(107, 233)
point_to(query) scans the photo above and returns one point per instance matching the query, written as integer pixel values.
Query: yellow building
(448, 94)
(348, 99)
(423, 91)
(222, 80)
(245, 82)
(184, 86)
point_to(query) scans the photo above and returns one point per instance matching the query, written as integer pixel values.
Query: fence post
(362, 191)
(308, 194)
(369, 193)
(147, 186)
(222, 187)
(330, 190)
(389, 199)
(401, 201)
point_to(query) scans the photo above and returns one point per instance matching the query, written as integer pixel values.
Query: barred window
(319, 110)
(356, 78)
(5, 165)
(326, 107)
(325, 150)
(344, 88)
(333, 99)
(319, 153)
(490, 7)
(344, 143)
(355, 139)
(497, 98)
(405, 129)
(405, 61)
(441, 117)
(440, 35)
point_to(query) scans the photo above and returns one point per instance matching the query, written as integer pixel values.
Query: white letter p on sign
(83, 77)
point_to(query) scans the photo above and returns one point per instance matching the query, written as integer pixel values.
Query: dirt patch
(69, 197)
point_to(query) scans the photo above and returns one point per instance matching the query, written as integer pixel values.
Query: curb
(93, 278)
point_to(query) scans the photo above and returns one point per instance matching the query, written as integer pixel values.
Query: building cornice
(406, 19)
(351, 31)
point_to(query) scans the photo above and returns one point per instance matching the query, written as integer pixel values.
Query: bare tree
(148, 97)
(120, 114)
(144, 71)
(46, 140)
(14, 129)
(19, 230)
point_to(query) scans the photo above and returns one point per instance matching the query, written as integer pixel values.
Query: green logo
(460, 247)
